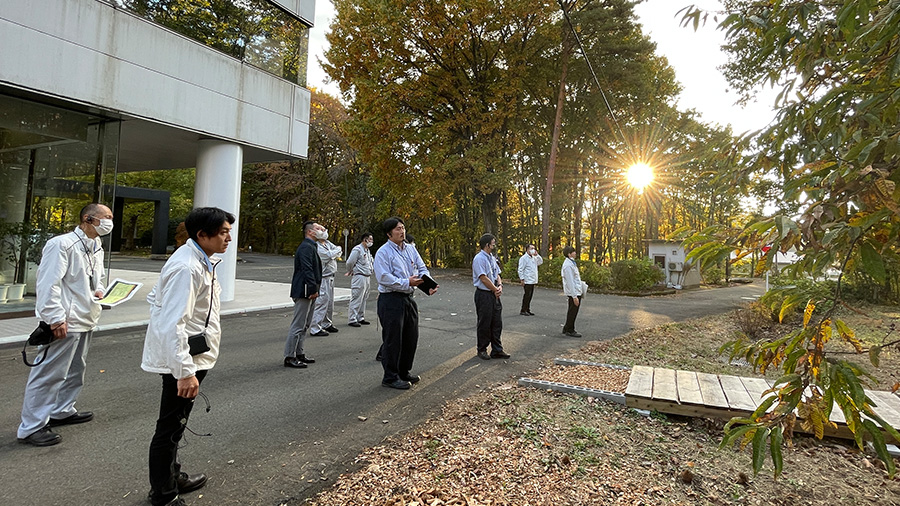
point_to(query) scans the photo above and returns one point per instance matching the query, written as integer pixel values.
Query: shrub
(790, 295)
(713, 275)
(631, 275)
(753, 320)
(510, 270)
(550, 272)
(595, 275)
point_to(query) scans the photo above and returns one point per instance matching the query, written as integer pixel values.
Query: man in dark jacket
(304, 289)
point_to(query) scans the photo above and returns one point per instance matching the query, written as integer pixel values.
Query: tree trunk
(554, 146)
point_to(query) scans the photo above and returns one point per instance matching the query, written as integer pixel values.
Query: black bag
(42, 336)
(197, 344)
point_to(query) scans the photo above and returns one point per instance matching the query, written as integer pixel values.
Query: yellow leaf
(810, 307)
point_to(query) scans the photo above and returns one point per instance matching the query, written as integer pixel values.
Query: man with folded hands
(182, 344)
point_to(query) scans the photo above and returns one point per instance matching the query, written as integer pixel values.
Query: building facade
(93, 88)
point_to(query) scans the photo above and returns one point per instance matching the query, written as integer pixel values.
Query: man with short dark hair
(359, 266)
(184, 312)
(488, 289)
(573, 288)
(398, 270)
(305, 285)
(69, 282)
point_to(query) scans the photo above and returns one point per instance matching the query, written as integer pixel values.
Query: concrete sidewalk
(249, 296)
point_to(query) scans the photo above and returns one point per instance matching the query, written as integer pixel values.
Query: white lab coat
(571, 279)
(528, 268)
(63, 281)
(179, 304)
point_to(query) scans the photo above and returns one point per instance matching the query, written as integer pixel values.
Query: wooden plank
(755, 387)
(688, 387)
(711, 391)
(888, 407)
(668, 407)
(736, 394)
(640, 382)
(664, 388)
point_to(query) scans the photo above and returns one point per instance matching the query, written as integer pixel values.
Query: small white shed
(671, 258)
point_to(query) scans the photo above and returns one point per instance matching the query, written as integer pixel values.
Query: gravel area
(590, 376)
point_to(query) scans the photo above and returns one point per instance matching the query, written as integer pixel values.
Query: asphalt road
(280, 435)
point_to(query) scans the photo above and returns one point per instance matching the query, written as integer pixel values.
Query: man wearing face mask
(69, 282)
(329, 252)
(528, 274)
(489, 310)
(359, 266)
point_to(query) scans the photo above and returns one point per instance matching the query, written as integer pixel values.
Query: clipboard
(427, 284)
(119, 291)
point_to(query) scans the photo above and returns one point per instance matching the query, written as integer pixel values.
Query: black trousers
(489, 311)
(399, 318)
(526, 299)
(174, 412)
(571, 314)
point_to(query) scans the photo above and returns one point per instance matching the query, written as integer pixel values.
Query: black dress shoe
(399, 384)
(332, 329)
(378, 357)
(365, 322)
(188, 483)
(294, 362)
(320, 333)
(530, 313)
(523, 313)
(573, 334)
(354, 324)
(499, 354)
(305, 359)
(42, 437)
(79, 417)
(412, 378)
(483, 355)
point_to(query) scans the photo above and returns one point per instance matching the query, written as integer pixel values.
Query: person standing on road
(573, 288)
(305, 285)
(528, 276)
(359, 266)
(488, 289)
(398, 270)
(69, 282)
(324, 308)
(182, 344)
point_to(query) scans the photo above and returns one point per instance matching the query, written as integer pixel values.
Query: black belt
(360, 274)
(483, 290)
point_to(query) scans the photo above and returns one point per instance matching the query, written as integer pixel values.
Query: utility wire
(596, 80)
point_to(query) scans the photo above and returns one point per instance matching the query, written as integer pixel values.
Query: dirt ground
(517, 446)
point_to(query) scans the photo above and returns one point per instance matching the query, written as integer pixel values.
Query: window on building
(254, 31)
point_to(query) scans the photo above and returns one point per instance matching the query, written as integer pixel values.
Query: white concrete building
(92, 88)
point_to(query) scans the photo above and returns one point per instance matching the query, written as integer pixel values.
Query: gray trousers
(302, 316)
(324, 306)
(359, 292)
(54, 385)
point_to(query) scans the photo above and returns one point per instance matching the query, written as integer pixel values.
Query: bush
(713, 275)
(790, 296)
(634, 275)
(510, 270)
(595, 275)
(550, 272)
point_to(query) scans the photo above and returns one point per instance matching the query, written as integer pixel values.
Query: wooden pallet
(691, 393)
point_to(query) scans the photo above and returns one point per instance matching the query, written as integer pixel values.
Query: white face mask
(531, 251)
(369, 244)
(105, 227)
(322, 235)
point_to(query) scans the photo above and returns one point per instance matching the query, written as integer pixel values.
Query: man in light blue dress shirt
(398, 270)
(488, 289)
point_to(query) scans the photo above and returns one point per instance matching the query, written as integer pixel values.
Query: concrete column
(218, 184)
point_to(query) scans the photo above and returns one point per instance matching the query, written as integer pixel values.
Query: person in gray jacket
(305, 284)
(359, 266)
(69, 281)
(329, 252)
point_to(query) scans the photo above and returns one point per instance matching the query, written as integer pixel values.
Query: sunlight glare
(639, 176)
